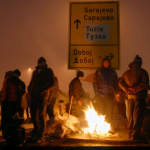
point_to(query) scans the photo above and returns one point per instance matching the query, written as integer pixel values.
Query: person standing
(39, 88)
(135, 82)
(106, 88)
(12, 91)
(77, 95)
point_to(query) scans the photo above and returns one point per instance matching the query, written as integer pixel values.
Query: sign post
(93, 34)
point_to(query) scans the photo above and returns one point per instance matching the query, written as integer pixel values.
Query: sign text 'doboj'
(83, 52)
(84, 59)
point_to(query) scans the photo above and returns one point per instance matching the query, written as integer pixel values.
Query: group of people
(133, 84)
(43, 88)
(41, 94)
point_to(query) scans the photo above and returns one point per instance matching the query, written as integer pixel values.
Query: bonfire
(97, 126)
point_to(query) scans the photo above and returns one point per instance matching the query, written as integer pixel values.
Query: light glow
(97, 124)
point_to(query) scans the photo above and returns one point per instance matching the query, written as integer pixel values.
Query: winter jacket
(41, 83)
(106, 82)
(75, 89)
(135, 81)
(13, 89)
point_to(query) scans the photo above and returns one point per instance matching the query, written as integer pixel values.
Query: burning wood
(97, 126)
(91, 126)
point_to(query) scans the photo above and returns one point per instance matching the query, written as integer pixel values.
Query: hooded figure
(135, 82)
(106, 87)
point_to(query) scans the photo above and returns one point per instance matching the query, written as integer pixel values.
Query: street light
(28, 108)
(29, 73)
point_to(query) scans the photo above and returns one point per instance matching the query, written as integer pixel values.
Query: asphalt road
(80, 141)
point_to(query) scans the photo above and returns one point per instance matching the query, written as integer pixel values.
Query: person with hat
(135, 82)
(12, 91)
(41, 83)
(106, 88)
(77, 95)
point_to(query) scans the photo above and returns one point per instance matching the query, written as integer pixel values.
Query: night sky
(30, 29)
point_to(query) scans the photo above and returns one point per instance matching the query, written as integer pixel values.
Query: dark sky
(30, 29)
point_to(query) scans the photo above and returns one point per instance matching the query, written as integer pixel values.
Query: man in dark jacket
(135, 82)
(41, 83)
(12, 91)
(106, 88)
(76, 92)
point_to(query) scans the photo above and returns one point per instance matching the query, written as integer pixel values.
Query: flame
(97, 124)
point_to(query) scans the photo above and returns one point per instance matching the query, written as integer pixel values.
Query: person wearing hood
(135, 82)
(41, 83)
(106, 88)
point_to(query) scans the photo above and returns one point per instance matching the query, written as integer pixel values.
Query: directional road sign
(93, 34)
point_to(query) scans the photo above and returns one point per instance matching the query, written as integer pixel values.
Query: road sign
(93, 34)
